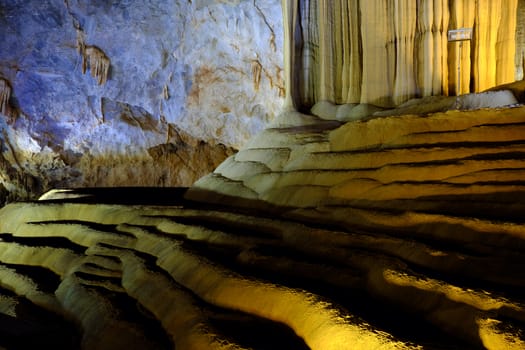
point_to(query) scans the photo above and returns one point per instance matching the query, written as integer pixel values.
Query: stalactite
(462, 15)
(344, 38)
(426, 48)
(353, 66)
(405, 28)
(308, 65)
(326, 51)
(256, 74)
(506, 43)
(290, 9)
(391, 51)
(440, 74)
(384, 52)
(495, 32)
(374, 34)
(98, 63)
(5, 95)
(488, 17)
(93, 58)
(519, 60)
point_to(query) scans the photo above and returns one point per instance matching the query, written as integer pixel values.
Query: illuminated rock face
(208, 70)
(400, 232)
(450, 179)
(387, 52)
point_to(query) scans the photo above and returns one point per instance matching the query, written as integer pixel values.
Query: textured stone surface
(210, 69)
(387, 52)
(401, 232)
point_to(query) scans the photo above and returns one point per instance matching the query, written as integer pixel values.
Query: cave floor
(145, 268)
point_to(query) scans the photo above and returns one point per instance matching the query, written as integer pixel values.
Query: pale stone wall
(211, 70)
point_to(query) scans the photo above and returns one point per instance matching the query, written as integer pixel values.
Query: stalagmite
(5, 95)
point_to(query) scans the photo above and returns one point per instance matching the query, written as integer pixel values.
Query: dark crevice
(422, 146)
(36, 328)
(131, 311)
(239, 327)
(95, 266)
(46, 280)
(244, 229)
(393, 319)
(124, 195)
(473, 127)
(51, 242)
(104, 228)
(91, 277)
(254, 332)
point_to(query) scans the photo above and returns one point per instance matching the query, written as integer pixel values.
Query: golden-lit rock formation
(399, 232)
(453, 179)
(387, 52)
(354, 227)
(118, 269)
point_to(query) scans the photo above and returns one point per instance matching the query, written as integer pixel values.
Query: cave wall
(157, 93)
(387, 52)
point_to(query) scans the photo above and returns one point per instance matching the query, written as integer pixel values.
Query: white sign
(460, 34)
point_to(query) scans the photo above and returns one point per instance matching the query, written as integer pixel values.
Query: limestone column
(290, 8)
(441, 20)
(488, 18)
(327, 28)
(405, 29)
(352, 43)
(462, 15)
(520, 40)
(506, 43)
(426, 68)
(374, 35)
(431, 41)
(309, 64)
(391, 49)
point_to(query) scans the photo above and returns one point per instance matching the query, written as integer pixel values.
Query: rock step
(273, 158)
(172, 275)
(502, 125)
(418, 155)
